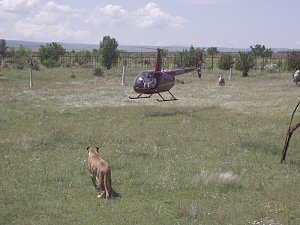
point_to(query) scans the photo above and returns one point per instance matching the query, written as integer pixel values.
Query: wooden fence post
(30, 72)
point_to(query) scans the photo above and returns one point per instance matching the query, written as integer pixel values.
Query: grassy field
(210, 158)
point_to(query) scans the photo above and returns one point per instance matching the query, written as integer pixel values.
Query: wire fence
(278, 62)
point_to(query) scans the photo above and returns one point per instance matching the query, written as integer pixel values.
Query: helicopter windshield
(146, 79)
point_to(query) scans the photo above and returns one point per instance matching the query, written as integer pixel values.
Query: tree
(50, 54)
(109, 52)
(290, 132)
(293, 60)
(268, 52)
(261, 51)
(258, 50)
(212, 51)
(20, 56)
(226, 61)
(245, 62)
(3, 48)
(188, 57)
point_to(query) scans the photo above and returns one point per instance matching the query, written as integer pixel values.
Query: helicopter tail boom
(182, 71)
(188, 69)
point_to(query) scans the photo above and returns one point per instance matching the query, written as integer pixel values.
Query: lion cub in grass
(100, 172)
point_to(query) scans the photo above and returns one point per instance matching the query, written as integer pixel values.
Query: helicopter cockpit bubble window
(146, 80)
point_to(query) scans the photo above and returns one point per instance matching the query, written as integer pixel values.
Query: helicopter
(151, 82)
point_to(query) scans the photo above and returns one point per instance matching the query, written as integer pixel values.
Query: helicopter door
(150, 81)
(146, 80)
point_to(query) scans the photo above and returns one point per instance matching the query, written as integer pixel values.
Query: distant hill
(34, 46)
(83, 46)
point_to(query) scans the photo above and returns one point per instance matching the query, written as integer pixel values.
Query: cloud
(151, 16)
(53, 14)
(12, 5)
(57, 32)
(52, 6)
(207, 2)
(11, 10)
(109, 14)
(50, 22)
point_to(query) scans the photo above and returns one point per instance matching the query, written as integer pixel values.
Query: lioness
(100, 172)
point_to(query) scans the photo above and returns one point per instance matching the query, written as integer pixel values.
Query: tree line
(108, 56)
(51, 55)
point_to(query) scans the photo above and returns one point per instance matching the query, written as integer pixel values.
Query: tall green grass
(210, 158)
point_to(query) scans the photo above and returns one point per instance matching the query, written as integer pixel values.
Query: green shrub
(98, 72)
(245, 62)
(35, 66)
(50, 63)
(20, 66)
(293, 60)
(226, 62)
(73, 76)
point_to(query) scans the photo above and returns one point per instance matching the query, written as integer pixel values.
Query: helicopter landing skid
(159, 100)
(166, 100)
(140, 96)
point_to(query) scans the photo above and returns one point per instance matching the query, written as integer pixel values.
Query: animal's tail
(113, 193)
(109, 182)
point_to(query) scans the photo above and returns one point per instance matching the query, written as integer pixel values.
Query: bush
(35, 66)
(73, 76)
(109, 52)
(20, 66)
(226, 62)
(98, 72)
(67, 65)
(245, 62)
(50, 54)
(293, 60)
(50, 63)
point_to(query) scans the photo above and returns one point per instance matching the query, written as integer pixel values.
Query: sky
(201, 23)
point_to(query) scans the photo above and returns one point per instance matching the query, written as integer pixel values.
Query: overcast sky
(201, 23)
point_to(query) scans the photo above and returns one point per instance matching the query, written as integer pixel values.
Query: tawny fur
(100, 172)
